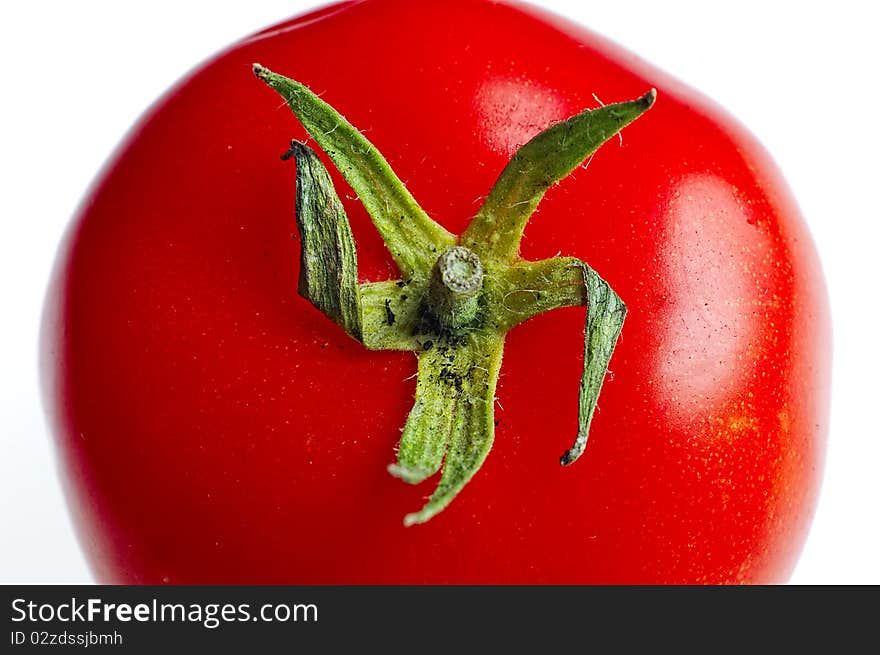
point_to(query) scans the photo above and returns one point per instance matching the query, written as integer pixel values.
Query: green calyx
(459, 295)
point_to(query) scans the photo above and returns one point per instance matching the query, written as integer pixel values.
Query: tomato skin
(214, 428)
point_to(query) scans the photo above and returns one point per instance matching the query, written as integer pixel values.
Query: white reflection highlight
(714, 262)
(511, 111)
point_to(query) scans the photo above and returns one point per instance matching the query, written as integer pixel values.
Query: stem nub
(454, 291)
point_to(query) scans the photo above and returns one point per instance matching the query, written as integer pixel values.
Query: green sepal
(452, 419)
(328, 275)
(497, 229)
(606, 313)
(532, 288)
(432, 419)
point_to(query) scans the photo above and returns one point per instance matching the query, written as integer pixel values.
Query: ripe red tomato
(214, 427)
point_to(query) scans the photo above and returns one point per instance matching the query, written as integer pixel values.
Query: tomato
(214, 427)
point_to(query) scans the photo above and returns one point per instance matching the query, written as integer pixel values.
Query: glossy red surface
(213, 427)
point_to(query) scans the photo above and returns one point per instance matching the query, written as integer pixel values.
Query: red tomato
(214, 427)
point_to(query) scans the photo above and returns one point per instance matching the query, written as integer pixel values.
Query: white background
(802, 76)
